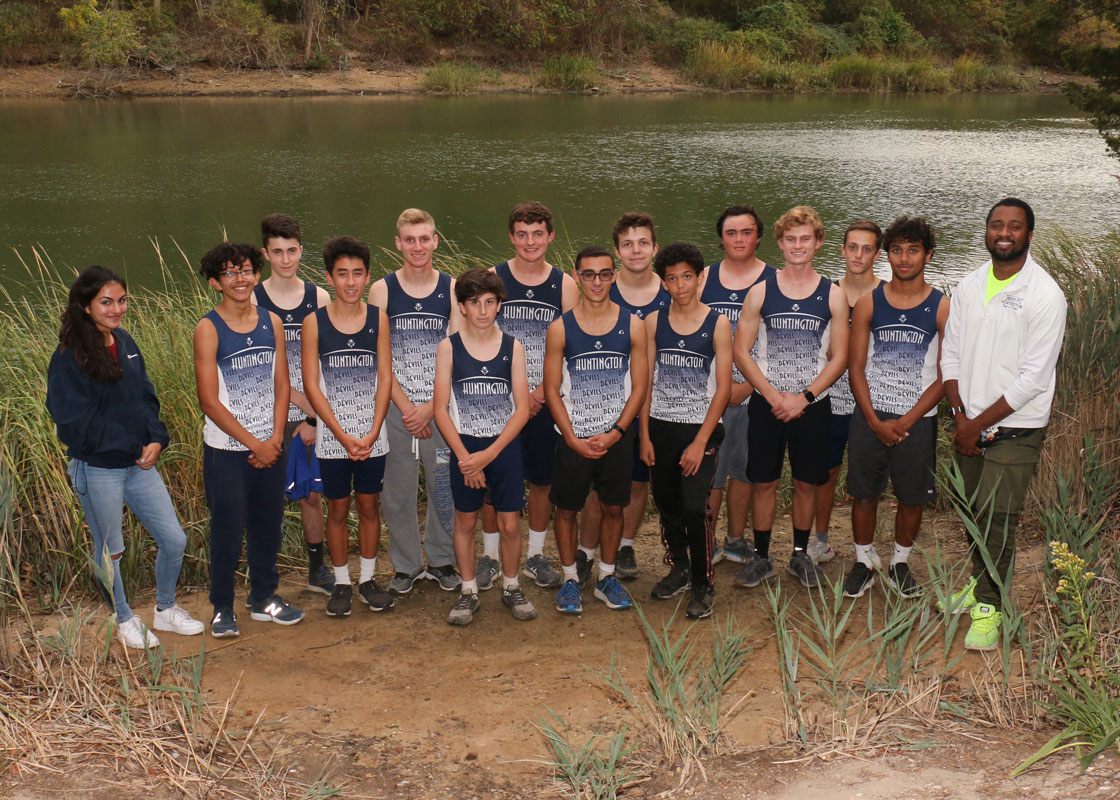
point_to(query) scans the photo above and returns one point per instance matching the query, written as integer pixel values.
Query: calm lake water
(94, 182)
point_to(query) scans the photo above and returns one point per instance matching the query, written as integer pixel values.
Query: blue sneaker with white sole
(613, 593)
(569, 600)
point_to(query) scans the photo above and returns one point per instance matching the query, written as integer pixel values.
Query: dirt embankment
(53, 81)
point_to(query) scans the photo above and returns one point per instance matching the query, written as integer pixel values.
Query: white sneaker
(135, 634)
(820, 551)
(177, 620)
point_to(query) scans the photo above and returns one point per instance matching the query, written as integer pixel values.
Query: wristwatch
(808, 396)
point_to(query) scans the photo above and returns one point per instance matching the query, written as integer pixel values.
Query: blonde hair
(799, 215)
(415, 216)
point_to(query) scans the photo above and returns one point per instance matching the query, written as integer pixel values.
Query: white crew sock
(536, 543)
(342, 575)
(570, 572)
(509, 583)
(625, 543)
(490, 543)
(863, 555)
(367, 568)
(589, 552)
(605, 570)
(901, 554)
(469, 587)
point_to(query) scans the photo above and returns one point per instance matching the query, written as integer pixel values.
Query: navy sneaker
(569, 600)
(224, 623)
(613, 593)
(374, 596)
(626, 563)
(274, 609)
(321, 579)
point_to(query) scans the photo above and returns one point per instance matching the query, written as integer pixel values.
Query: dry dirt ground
(401, 705)
(46, 81)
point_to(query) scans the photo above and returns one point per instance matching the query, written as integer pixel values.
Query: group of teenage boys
(595, 388)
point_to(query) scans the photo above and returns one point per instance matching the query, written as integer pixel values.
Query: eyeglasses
(230, 274)
(591, 275)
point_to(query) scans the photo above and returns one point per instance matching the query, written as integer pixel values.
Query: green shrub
(721, 65)
(238, 34)
(453, 77)
(105, 37)
(569, 72)
(970, 73)
(880, 28)
(28, 33)
(674, 42)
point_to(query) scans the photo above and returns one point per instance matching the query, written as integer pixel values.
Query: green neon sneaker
(960, 602)
(983, 633)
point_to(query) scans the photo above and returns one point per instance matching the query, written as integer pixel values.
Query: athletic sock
(822, 536)
(625, 543)
(570, 572)
(368, 566)
(508, 583)
(342, 575)
(536, 543)
(762, 542)
(863, 555)
(589, 552)
(314, 556)
(605, 570)
(800, 538)
(733, 539)
(901, 554)
(490, 542)
(469, 587)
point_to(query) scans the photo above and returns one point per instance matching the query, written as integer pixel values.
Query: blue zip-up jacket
(105, 424)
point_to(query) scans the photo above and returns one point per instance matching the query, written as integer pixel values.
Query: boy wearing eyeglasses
(595, 375)
(241, 373)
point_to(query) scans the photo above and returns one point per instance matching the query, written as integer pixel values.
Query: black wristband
(312, 421)
(617, 427)
(808, 395)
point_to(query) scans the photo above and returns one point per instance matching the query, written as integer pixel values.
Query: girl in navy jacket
(107, 415)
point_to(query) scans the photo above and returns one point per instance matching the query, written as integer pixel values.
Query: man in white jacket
(998, 364)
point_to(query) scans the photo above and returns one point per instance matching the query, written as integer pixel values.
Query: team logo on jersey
(901, 317)
(308, 306)
(680, 343)
(796, 307)
(529, 294)
(419, 306)
(704, 335)
(926, 309)
(289, 318)
(734, 295)
(819, 297)
(369, 330)
(485, 371)
(598, 345)
(248, 340)
(349, 342)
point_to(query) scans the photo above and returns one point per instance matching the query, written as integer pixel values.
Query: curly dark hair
(79, 333)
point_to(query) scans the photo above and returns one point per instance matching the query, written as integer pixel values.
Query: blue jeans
(103, 494)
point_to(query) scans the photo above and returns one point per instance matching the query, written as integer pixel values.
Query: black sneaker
(446, 576)
(374, 596)
(626, 563)
(900, 577)
(321, 579)
(701, 605)
(583, 568)
(859, 580)
(274, 609)
(223, 623)
(756, 570)
(341, 598)
(402, 582)
(677, 581)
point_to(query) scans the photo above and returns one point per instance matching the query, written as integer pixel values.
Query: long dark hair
(79, 333)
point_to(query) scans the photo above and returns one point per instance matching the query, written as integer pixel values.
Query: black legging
(687, 526)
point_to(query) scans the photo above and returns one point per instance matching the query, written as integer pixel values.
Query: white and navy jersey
(246, 369)
(348, 379)
(660, 302)
(526, 314)
(729, 302)
(901, 353)
(292, 319)
(843, 402)
(596, 382)
(481, 391)
(684, 371)
(416, 327)
(793, 337)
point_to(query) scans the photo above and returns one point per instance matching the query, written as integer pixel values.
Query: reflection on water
(92, 182)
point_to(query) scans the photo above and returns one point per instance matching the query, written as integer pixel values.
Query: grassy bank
(786, 45)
